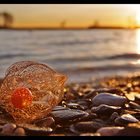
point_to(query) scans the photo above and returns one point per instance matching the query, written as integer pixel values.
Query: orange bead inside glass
(21, 98)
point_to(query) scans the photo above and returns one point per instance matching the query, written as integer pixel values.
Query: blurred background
(84, 41)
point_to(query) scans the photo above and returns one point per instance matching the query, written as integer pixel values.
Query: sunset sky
(75, 15)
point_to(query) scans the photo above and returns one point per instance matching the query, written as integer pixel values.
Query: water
(81, 54)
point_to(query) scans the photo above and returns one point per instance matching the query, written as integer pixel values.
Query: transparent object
(45, 84)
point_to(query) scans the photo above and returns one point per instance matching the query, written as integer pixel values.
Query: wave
(95, 58)
(125, 55)
(6, 56)
(104, 68)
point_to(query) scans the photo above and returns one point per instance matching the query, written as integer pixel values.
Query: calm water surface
(81, 54)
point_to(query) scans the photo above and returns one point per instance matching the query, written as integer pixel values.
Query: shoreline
(67, 29)
(101, 79)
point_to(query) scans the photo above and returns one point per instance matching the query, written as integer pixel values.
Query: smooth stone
(105, 109)
(69, 115)
(8, 129)
(130, 96)
(109, 131)
(132, 129)
(86, 126)
(73, 105)
(108, 99)
(45, 122)
(33, 130)
(19, 132)
(125, 119)
(134, 105)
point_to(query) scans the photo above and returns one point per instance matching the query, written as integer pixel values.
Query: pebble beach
(104, 107)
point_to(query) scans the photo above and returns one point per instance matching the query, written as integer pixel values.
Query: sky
(75, 15)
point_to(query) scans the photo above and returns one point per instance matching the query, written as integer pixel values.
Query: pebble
(109, 131)
(8, 129)
(87, 126)
(125, 119)
(134, 105)
(33, 130)
(108, 99)
(19, 132)
(69, 115)
(131, 130)
(45, 122)
(73, 105)
(130, 96)
(105, 109)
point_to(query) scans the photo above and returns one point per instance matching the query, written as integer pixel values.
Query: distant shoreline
(67, 28)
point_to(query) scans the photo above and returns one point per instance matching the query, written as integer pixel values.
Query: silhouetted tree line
(7, 18)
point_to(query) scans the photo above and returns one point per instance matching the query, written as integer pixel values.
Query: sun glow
(138, 17)
(136, 9)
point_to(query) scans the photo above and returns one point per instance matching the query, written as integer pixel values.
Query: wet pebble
(105, 109)
(108, 99)
(125, 119)
(69, 115)
(131, 130)
(8, 129)
(32, 130)
(19, 132)
(73, 105)
(87, 126)
(45, 122)
(130, 96)
(134, 105)
(109, 131)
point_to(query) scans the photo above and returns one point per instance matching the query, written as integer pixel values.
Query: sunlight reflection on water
(137, 46)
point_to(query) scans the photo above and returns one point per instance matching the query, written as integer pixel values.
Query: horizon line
(69, 28)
